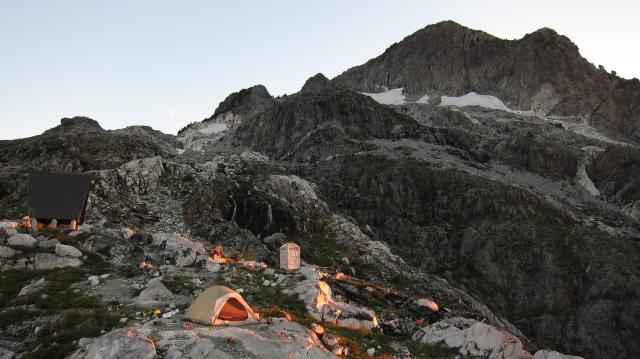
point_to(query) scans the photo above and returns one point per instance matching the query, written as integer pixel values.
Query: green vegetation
(321, 250)
(75, 314)
(57, 340)
(14, 316)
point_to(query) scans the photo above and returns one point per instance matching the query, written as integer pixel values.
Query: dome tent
(220, 305)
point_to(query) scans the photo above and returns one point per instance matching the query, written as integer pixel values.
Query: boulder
(64, 250)
(320, 303)
(154, 295)
(50, 261)
(184, 251)
(548, 354)
(32, 287)
(22, 240)
(6, 252)
(48, 243)
(118, 344)
(96, 243)
(472, 338)
(85, 228)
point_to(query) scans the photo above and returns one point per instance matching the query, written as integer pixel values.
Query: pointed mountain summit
(316, 83)
(542, 72)
(242, 104)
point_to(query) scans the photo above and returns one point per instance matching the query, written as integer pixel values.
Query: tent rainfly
(59, 196)
(220, 305)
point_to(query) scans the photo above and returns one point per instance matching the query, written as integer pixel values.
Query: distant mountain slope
(543, 72)
(322, 121)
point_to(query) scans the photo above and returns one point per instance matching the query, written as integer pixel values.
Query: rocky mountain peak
(77, 123)
(244, 103)
(316, 83)
(542, 72)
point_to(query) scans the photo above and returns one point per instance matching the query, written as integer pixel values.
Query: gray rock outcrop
(44, 261)
(22, 240)
(118, 344)
(64, 250)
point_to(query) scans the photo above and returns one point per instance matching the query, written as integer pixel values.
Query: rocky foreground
(314, 312)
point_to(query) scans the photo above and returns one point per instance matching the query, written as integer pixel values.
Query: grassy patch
(321, 250)
(11, 282)
(57, 340)
(14, 316)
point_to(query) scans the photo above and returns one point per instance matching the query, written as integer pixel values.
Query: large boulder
(154, 295)
(548, 354)
(118, 344)
(97, 242)
(6, 252)
(44, 261)
(22, 240)
(32, 287)
(46, 243)
(472, 338)
(321, 304)
(64, 250)
(184, 251)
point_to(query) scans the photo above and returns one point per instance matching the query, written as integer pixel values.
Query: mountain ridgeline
(543, 72)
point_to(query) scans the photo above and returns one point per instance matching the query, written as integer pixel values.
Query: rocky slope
(542, 72)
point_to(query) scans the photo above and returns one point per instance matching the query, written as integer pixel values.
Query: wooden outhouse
(290, 256)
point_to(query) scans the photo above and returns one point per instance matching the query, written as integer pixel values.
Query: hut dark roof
(62, 196)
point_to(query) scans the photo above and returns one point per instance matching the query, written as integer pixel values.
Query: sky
(166, 63)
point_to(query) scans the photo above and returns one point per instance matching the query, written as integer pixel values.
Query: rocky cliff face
(542, 72)
(320, 122)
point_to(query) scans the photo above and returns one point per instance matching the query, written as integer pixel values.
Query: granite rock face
(242, 105)
(317, 125)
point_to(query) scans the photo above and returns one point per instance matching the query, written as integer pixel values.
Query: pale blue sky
(167, 63)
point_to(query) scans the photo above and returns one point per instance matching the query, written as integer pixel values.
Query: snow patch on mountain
(424, 99)
(391, 97)
(582, 177)
(474, 99)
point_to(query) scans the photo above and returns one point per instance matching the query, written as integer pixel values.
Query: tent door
(233, 311)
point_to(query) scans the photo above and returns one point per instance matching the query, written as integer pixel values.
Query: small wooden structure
(59, 196)
(290, 256)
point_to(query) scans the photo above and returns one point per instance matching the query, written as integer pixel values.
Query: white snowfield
(474, 99)
(391, 97)
(213, 128)
(424, 99)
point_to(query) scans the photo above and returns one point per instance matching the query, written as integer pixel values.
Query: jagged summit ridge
(542, 72)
